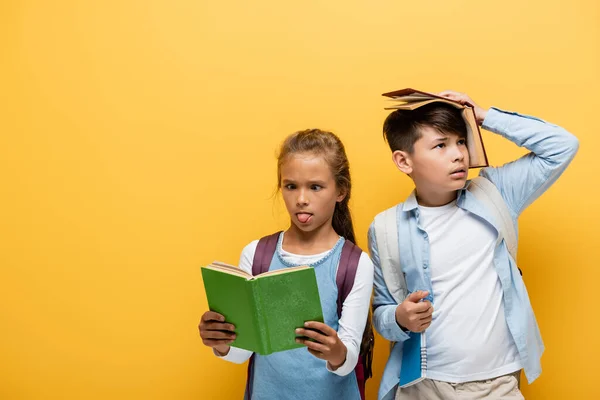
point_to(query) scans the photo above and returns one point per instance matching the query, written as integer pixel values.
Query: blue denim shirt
(520, 182)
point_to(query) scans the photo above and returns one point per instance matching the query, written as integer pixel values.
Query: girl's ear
(403, 161)
(341, 195)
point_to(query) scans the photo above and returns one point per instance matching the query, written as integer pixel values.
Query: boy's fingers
(423, 307)
(417, 296)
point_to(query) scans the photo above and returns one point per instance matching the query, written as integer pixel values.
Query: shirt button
(425, 265)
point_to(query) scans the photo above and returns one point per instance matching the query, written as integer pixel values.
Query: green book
(265, 309)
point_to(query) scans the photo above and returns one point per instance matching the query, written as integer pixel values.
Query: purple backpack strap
(264, 253)
(346, 272)
(260, 264)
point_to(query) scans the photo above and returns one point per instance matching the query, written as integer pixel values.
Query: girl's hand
(215, 332)
(463, 99)
(327, 345)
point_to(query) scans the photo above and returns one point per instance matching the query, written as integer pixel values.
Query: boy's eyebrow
(446, 138)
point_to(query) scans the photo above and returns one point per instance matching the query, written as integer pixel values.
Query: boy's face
(438, 165)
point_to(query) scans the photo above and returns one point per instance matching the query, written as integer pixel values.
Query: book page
(228, 269)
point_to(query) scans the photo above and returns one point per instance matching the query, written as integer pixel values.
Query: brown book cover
(410, 99)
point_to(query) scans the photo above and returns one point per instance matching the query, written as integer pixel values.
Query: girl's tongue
(304, 217)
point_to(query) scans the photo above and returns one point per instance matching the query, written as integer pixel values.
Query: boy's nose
(459, 155)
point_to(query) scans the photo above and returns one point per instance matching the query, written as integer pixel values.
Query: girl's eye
(290, 186)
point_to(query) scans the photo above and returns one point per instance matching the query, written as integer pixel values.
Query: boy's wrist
(481, 114)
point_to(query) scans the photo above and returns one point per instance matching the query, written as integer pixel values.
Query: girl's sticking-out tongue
(303, 217)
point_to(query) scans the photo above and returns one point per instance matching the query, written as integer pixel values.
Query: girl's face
(309, 191)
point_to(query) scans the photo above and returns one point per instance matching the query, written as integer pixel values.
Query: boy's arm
(552, 148)
(384, 305)
(522, 181)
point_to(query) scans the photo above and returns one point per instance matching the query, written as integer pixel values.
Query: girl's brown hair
(329, 146)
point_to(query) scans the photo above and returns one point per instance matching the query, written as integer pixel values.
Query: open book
(414, 360)
(410, 99)
(265, 309)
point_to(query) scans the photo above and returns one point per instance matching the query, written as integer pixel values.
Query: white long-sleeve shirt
(354, 310)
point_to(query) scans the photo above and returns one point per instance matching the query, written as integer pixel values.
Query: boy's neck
(430, 199)
(316, 241)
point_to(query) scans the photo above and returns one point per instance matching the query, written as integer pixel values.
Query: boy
(483, 330)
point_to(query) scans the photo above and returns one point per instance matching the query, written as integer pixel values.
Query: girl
(314, 178)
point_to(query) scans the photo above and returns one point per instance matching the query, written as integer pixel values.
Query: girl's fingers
(217, 326)
(320, 326)
(311, 334)
(316, 354)
(213, 342)
(220, 335)
(313, 345)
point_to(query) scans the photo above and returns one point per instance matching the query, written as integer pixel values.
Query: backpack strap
(264, 253)
(345, 277)
(488, 194)
(346, 272)
(386, 235)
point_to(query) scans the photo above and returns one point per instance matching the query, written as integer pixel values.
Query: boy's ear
(403, 161)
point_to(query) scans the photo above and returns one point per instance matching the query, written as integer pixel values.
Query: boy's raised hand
(413, 314)
(462, 98)
(215, 332)
(327, 345)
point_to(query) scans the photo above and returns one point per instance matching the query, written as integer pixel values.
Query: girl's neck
(317, 241)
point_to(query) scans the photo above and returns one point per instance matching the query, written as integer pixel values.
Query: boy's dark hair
(402, 128)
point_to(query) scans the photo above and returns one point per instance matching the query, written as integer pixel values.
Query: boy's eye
(462, 142)
(316, 187)
(440, 146)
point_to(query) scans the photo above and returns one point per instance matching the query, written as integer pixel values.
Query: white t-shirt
(468, 339)
(354, 310)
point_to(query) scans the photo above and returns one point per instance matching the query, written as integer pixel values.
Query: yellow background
(138, 142)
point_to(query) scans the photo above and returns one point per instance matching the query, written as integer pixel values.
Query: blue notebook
(414, 360)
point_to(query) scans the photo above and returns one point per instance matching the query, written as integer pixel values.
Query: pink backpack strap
(260, 264)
